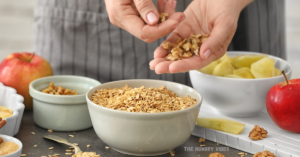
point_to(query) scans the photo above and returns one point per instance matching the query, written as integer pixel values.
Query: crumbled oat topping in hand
(58, 90)
(163, 17)
(264, 154)
(216, 155)
(185, 48)
(86, 154)
(258, 133)
(142, 100)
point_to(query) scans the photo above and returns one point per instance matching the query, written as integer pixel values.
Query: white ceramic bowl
(237, 97)
(62, 112)
(10, 99)
(144, 134)
(16, 141)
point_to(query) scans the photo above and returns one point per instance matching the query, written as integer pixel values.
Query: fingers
(150, 33)
(2, 123)
(170, 7)
(161, 5)
(148, 11)
(219, 35)
(154, 62)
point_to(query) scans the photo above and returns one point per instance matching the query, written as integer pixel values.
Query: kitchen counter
(85, 137)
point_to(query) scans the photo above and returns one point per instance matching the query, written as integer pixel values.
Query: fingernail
(174, 4)
(182, 19)
(207, 53)
(164, 1)
(174, 27)
(151, 17)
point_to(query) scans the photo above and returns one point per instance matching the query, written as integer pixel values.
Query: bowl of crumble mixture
(143, 117)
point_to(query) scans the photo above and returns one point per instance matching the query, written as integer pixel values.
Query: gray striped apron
(76, 37)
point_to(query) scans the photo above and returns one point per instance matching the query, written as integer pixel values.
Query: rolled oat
(142, 100)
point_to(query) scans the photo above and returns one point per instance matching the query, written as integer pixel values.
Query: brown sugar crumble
(264, 154)
(8, 147)
(163, 17)
(216, 155)
(184, 48)
(142, 100)
(58, 90)
(258, 133)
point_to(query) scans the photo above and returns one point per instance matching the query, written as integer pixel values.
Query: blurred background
(16, 27)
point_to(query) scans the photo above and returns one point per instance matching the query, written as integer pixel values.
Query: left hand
(217, 18)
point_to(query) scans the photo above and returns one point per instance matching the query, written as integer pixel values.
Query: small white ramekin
(62, 112)
(16, 141)
(10, 99)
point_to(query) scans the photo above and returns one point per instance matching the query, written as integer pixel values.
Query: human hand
(125, 14)
(217, 18)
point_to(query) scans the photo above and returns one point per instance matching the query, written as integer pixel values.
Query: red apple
(19, 69)
(283, 104)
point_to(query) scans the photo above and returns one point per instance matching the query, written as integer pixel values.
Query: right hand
(125, 14)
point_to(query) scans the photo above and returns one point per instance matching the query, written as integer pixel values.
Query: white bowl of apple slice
(236, 85)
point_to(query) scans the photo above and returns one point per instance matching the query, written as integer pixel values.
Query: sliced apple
(224, 58)
(244, 73)
(209, 68)
(221, 124)
(263, 68)
(233, 76)
(247, 60)
(277, 72)
(233, 59)
(223, 68)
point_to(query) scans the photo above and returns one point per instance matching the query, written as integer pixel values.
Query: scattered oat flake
(33, 133)
(71, 135)
(51, 148)
(172, 153)
(43, 156)
(50, 130)
(23, 154)
(68, 153)
(57, 154)
(202, 145)
(35, 146)
(106, 147)
(71, 147)
(241, 153)
(201, 140)
(76, 144)
(88, 145)
(68, 150)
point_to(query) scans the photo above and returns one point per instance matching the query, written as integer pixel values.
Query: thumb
(220, 36)
(147, 10)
